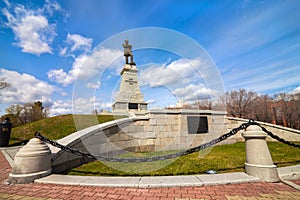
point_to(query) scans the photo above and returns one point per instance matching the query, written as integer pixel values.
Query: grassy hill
(224, 158)
(55, 127)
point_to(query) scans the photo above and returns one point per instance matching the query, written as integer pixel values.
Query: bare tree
(34, 111)
(283, 110)
(3, 84)
(288, 110)
(16, 114)
(204, 104)
(95, 111)
(239, 101)
(296, 116)
(261, 109)
(22, 114)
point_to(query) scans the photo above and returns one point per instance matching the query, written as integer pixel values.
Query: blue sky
(48, 49)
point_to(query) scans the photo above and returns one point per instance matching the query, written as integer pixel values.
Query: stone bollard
(31, 162)
(259, 162)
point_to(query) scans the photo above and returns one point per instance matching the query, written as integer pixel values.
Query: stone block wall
(283, 132)
(166, 130)
(159, 130)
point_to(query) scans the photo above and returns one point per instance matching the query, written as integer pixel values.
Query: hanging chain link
(276, 137)
(164, 157)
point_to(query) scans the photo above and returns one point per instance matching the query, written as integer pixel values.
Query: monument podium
(129, 99)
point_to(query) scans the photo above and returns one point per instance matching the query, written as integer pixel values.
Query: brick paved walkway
(251, 191)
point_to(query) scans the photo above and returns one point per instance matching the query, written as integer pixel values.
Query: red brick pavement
(296, 182)
(249, 191)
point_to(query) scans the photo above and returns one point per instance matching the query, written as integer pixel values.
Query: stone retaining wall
(283, 132)
(166, 130)
(159, 130)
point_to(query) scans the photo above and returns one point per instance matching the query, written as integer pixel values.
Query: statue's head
(126, 41)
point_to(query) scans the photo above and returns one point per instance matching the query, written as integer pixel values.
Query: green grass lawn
(225, 158)
(55, 127)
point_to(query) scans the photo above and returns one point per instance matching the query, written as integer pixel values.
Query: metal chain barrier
(164, 157)
(279, 139)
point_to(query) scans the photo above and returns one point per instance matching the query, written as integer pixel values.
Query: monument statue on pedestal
(127, 52)
(129, 98)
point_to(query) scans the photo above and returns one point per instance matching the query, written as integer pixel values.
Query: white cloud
(253, 30)
(179, 71)
(86, 66)
(151, 101)
(278, 79)
(79, 42)
(296, 90)
(24, 88)
(193, 92)
(256, 47)
(185, 79)
(50, 7)
(59, 76)
(78, 106)
(75, 42)
(61, 107)
(63, 51)
(64, 94)
(7, 3)
(98, 61)
(94, 85)
(87, 105)
(33, 32)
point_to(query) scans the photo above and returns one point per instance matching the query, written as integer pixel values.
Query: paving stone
(169, 181)
(81, 190)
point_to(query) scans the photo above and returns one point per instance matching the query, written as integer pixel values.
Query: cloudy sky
(68, 53)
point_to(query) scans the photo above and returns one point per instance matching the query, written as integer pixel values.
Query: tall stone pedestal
(31, 162)
(129, 98)
(259, 162)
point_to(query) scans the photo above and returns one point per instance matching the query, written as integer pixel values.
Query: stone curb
(286, 173)
(149, 182)
(9, 153)
(290, 173)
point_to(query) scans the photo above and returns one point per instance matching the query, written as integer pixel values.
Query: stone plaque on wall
(133, 106)
(197, 124)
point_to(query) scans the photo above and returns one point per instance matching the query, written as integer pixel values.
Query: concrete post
(259, 162)
(31, 162)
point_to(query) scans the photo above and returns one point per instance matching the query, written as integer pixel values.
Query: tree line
(282, 109)
(20, 114)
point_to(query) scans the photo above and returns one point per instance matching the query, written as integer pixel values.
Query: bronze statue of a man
(127, 52)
